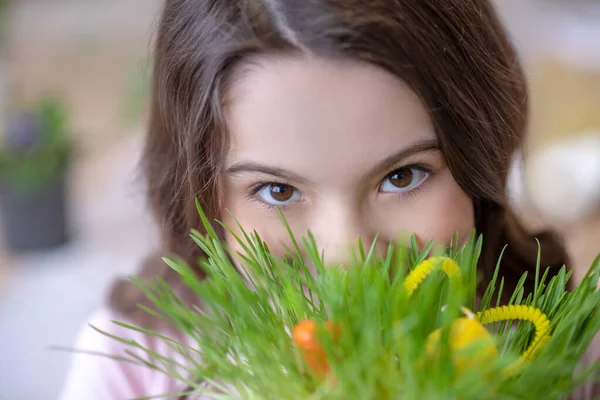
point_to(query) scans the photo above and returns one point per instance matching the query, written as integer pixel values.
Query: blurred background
(79, 69)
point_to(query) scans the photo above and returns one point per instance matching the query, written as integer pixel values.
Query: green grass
(242, 343)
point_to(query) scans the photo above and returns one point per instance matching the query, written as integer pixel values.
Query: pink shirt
(93, 377)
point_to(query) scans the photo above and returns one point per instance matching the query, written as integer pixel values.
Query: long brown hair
(453, 53)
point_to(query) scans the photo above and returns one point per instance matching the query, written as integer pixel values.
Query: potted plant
(3, 17)
(35, 153)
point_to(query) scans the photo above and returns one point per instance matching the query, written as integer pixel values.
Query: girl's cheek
(438, 213)
(267, 225)
(449, 213)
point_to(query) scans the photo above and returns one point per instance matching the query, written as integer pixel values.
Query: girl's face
(344, 149)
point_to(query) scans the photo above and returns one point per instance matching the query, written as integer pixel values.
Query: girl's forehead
(304, 111)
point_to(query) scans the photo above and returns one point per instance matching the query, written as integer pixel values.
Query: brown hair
(453, 53)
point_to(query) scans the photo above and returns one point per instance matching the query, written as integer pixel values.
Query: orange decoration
(305, 336)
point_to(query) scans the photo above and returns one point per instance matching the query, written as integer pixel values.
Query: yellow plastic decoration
(463, 331)
(466, 331)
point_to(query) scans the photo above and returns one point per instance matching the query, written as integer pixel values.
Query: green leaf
(242, 336)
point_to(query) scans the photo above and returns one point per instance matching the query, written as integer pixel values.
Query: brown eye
(279, 194)
(402, 178)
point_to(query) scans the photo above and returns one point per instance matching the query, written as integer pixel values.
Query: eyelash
(416, 190)
(252, 195)
(254, 190)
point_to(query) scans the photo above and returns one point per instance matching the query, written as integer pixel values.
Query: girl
(351, 116)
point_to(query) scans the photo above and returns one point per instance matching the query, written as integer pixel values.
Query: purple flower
(22, 132)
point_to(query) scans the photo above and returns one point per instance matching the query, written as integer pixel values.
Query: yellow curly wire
(424, 269)
(539, 320)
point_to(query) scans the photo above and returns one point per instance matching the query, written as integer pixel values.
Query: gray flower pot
(35, 221)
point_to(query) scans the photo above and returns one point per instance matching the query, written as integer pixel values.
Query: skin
(344, 148)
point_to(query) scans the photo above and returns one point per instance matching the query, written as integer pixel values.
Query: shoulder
(94, 375)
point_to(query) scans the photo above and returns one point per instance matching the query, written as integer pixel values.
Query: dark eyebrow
(389, 162)
(383, 166)
(250, 166)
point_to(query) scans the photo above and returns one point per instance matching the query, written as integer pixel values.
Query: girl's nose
(337, 231)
